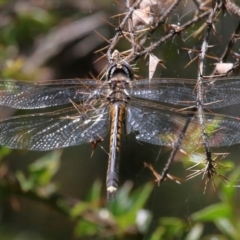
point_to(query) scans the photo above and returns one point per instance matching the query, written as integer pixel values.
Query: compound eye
(120, 68)
(128, 70)
(111, 70)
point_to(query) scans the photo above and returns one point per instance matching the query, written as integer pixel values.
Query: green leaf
(41, 173)
(95, 193)
(79, 208)
(229, 189)
(226, 227)
(127, 208)
(213, 212)
(86, 228)
(173, 226)
(26, 184)
(170, 228)
(4, 152)
(125, 202)
(195, 232)
(43, 170)
(157, 234)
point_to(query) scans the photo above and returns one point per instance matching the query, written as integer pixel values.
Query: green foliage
(124, 211)
(4, 152)
(170, 228)
(40, 174)
(125, 208)
(25, 25)
(125, 215)
(224, 215)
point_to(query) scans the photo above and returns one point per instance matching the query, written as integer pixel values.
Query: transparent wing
(217, 92)
(30, 95)
(26, 95)
(222, 92)
(67, 127)
(162, 126)
(173, 91)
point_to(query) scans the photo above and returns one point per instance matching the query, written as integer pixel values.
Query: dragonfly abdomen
(117, 115)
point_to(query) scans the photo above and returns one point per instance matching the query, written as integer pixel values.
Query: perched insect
(156, 110)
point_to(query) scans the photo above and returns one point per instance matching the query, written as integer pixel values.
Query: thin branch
(166, 14)
(232, 7)
(118, 34)
(210, 169)
(168, 36)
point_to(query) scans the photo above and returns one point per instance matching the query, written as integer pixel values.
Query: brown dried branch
(200, 93)
(163, 18)
(167, 37)
(119, 32)
(232, 7)
(204, 47)
(131, 31)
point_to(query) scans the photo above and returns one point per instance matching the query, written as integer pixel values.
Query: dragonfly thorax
(118, 75)
(117, 89)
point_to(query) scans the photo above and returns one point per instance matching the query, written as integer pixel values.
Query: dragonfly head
(119, 67)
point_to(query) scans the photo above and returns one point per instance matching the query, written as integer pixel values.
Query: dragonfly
(156, 111)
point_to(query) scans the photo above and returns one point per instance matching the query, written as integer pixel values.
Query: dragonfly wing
(173, 91)
(221, 92)
(53, 130)
(222, 130)
(163, 126)
(159, 127)
(29, 95)
(218, 92)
